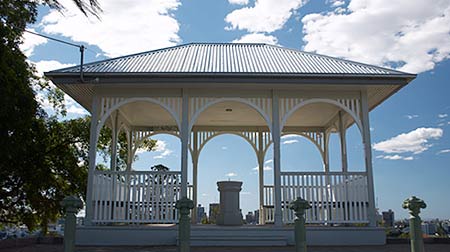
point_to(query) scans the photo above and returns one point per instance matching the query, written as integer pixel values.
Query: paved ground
(385, 248)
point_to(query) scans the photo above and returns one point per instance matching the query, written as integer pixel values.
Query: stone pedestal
(230, 214)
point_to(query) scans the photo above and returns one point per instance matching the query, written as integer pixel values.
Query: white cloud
(268, 161)
(231, 174)
(124, 27)
(442, 115)
(411, 35)
(395, 157)
(337, 3)
(48, 65)
(246, 193)
(224, 148)
(443, 151)
(72, 107)
(411, 116)
(290, 141)
(415, 141)
(257, 38)
(265, 168)
(161, 148)
(264, 16)
(239, 2)
(30, 41)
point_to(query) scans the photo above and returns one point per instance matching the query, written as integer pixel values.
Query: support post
(368, 158)
(342, 135)
(300, 206)
(129, 149)
(184, 143)
(260, 155)
(92, 156)
(414, 205)
(115, 133)
(195, 155)
(276, 135)
(326, 152)
(184, 206)
(71, 205)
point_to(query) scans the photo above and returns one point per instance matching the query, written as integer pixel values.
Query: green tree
(41, 160)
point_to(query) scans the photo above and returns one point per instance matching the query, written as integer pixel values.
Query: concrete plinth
(230, 214)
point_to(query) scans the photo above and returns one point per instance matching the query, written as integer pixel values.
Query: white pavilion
(259, 92)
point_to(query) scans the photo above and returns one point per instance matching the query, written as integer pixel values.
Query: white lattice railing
(335, 198)
(136, 196)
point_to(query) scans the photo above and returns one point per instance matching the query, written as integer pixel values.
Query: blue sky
(409, 131)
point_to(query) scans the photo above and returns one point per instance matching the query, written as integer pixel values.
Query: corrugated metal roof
(230, 58)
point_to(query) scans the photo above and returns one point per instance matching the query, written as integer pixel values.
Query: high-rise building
(200, 213)
(388, 218)
(257, 216)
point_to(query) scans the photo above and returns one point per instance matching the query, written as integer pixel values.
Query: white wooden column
(92, 157)
(184, 143)
(260, 156)
(276, 135)
(368, 158)
(342, 135)
(115, 133)
(326, 152)
(129, 149)
(195, 155)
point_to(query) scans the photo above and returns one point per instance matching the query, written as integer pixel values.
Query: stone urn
(230, 213)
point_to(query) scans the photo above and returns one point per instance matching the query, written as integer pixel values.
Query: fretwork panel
(287, 104)
(352, 104)
(173, 104)
(197, 104)
(250, 136)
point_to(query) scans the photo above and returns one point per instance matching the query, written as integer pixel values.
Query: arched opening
(166, 153)
(228, 157)
(300, 154)
(134, 120)
(355, 150)
(228, 121)
(324, 118)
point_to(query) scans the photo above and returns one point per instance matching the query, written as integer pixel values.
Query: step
(237, 240)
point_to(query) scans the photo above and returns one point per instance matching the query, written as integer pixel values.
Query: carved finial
(72, 203)
(414, 204)
(299, 206)
(184, 205)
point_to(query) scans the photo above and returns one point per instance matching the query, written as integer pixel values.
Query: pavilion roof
(233, 59)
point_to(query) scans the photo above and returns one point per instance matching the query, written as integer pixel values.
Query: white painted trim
(225, 99)
(276, 138)
(368, 158)
(185, 134)
(321, 100)
(106, 114)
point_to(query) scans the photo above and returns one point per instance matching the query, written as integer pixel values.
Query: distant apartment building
(429, 228)
(257, 216)
(200, 213)
(388, 218)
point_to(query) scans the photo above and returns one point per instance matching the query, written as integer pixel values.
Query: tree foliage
(41, 159)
